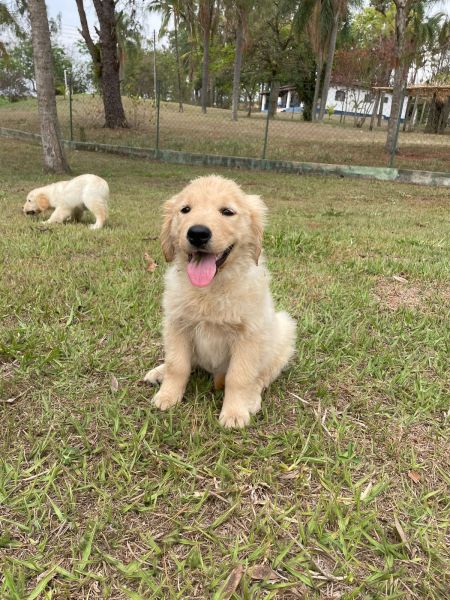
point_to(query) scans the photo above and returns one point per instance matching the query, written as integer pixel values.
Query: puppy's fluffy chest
(226, 304)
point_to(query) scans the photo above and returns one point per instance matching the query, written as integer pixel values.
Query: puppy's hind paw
(155, 376)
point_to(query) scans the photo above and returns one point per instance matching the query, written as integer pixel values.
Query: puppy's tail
(285, 331)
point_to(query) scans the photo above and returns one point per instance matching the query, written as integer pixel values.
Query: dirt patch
(397, 292)
(394, 294)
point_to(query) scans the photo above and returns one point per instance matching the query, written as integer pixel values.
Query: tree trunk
(438, 115)
(177, 55)
(237, 67)
(205, 70)
(400, 75)
(396, 106)
(329, 66)
(380, 110)
(105, 59)
(317, 89)
(53, 151)
(250, 104)
(273, 98)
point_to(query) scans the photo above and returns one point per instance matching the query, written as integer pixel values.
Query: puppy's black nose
(199, 235)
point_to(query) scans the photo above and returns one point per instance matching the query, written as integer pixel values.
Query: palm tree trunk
(237, 67)
(329, 66)
(177, 55)
(400, 75)
(53, 151)
(205, 70)
(317, 88)
(396, 106)
(112, 99)
(105, 59)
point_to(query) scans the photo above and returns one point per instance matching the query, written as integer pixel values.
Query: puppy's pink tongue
(201, 269)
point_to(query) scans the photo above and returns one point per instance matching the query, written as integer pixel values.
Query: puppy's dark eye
(185, 210)
(227, 212)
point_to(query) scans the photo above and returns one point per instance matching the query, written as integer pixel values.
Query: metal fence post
(397, 129)
(158, 102)
(266, 129)
(70, 107)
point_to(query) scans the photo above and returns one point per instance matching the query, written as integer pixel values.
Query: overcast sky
(70, 21)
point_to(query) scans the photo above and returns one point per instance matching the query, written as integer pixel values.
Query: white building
(351, 101)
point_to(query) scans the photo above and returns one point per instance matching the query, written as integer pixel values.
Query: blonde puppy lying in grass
(70, 199)
(218, 309)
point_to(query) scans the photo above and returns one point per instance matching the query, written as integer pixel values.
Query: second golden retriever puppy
(70, 199)
(218, 309)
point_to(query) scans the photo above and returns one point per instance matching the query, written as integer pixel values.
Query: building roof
(423, 90)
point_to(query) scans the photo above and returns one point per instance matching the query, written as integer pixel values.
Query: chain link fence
(351, 132)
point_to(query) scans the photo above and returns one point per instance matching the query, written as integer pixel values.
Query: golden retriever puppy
(70, 199)
(218, 309)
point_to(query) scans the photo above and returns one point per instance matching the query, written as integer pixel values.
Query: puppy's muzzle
(199, 235)
(29, 212)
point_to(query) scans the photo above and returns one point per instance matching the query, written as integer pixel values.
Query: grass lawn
(340, 485)
(289, 138)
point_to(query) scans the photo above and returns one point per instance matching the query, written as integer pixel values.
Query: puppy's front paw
(236, 417)
(155, 376)
(164, 401)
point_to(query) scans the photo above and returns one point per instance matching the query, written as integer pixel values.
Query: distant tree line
(223, 52)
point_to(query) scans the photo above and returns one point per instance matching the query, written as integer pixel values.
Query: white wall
(354, 101)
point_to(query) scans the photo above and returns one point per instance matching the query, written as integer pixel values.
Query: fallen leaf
(291, 474)
(414, 475)
(401, 532)
(151, 264)
(232, 582)
(399, 278)
(14, 398)
(262, 573)
(366, 491)
(114, 384)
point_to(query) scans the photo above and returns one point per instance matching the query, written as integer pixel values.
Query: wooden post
(422, 114)
(412, 121)
(406, 113)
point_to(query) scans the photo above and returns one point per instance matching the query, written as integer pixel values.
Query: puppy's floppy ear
(42, 202)
(258, 212)
(165, 237)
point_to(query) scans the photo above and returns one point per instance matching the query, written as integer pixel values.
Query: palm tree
(240, 10)
(53, 152)
(205, 19)
(338, 11)
(315, 16)
(411, 29)
(105, 58)
(7, 19)
(171, 9)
